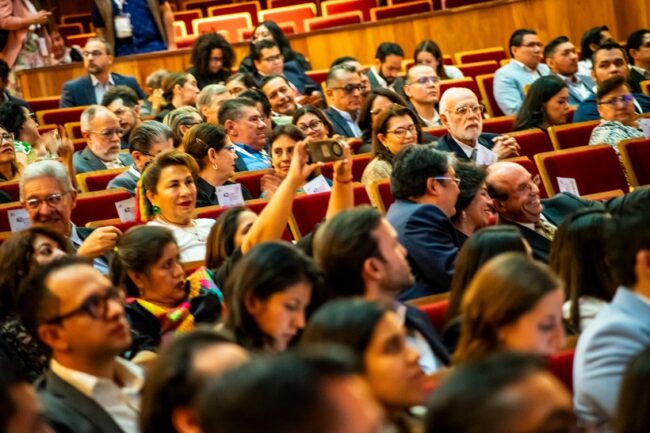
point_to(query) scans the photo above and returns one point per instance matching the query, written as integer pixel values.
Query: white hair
(205, 96)
(89, 114)
(45, 168)
(453, 93)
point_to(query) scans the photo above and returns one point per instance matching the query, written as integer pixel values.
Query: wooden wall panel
(466, 28)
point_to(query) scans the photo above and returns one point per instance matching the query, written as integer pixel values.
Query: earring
(155, 209)
(214, 166)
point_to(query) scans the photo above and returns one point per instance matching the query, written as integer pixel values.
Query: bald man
(423, 90)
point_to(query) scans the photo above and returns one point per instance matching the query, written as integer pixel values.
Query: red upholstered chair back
(561, 365)
(344, 19)
(531, 168)
(11, 188)
(499, 125)
(296, 14)
(532, 142)
(4, 219)
(288, 28)
(334, 7)
(486, 87)
(436, 311)
(83, 19)
(70, 29)
(97, 180)
(437, 5)
(359, 163)
(636, 158)
(251, 181)
(493, 53)
(99, 205)
(115, 222)
(252, 7)
(44, 103)
(318, 75)
(186, 17)
(59, 116)
(572, 134)
(594, 168)
(230, 23)
(438, 131)
(478, 68)
(203, 5)
(401, 10)
(467, 83)
(80, 39)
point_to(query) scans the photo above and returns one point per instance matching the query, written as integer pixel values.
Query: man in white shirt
(76, 312)
(423, 90)
(510, 80)
(343, 90)
(562, 58)
(388, 64)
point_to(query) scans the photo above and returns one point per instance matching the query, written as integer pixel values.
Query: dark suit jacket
(69, 411)
(296, 76)
(634, 80)
(432, 245)
(588, 109)
(81, 91)
(9, 98)
(85, 161)
(448, 144)
(126, 180)
(418, 320)
(340, 125)
(205, 193)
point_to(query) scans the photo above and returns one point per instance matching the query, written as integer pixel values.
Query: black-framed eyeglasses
(624, 99)
(426, 80)
(52, 200)
(95, 306)
(314, 125)
(453, 179)
(95, 53)
(349, 88)
(474, 109)
(401, 132)
(7, 137)
(108, 133)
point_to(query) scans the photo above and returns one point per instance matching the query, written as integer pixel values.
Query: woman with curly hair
(212, 58)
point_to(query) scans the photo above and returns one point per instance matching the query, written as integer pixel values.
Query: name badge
(123, 27)
(18, 220)
(316, 185)
(230, 195)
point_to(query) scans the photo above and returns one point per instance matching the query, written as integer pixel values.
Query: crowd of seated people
(199, 316)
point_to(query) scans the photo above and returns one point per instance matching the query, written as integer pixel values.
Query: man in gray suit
(102, 131)
(622, 329)
(77, 313)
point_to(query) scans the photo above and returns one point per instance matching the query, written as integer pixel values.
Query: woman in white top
(428, 53)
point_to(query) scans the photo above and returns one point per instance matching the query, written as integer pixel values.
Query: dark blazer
(86, 160)
(126, 180)
(634, 80)
(81, 91)
(588, 109)
(296, 76)
(340, 125)
(205, 193)
(67, 410)
(418, 320)
(431, 242)
(448, 144)
(398, 87)
(574, 97)
(9, 98)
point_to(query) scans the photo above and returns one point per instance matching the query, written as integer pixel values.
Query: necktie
(473, 155)
(545, 229)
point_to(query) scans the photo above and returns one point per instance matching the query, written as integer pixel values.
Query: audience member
(622, 330)
(263, 106)
(313, 122)
(386, 67)
(152, 103)
(373, 104)
(135, 27)
(390, 365)
(20, 255)
(245, 127)
(267, 295)
(343, 89)
(461, 114)
(20, 409)
(591, 40)
(176, 380)
(102, 131)
(215, 155)
(90, 89)
(546, 104)
(351, 61)
(512, 304)
(425, 188)
(359, 255)
(578, 257)
(5, 96)
(209, 100)
(24, 26)
(48, 196)
(638, 51)
(227, 234)
(504, 393)
(428, 53)
(212, 59)
(422, 87)
(475, 252)
(123, 102)
(10, 168)
(280, 94)
(159, 303)
(322, 392)
(524, 68)
(394, 128)
(239, 82)
(631, 415)
(617, 118)
(269, 30)
(78, 315)
(609, 60)
(561, 57)
(180, 121)
(179, 90)
(474, 205)
(147, 140)
(61, 53)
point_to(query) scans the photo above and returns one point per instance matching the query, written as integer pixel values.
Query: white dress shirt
(100, 89)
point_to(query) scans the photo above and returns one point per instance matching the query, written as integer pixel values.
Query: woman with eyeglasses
(395, 127)
(210, 146)
(212, 58)
(429, 53)
(546, 104)
(313, 123)
(20, 255)
(377, 100)
(179, 89)
(618, 121)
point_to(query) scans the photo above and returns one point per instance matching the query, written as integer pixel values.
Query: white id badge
(123, 26)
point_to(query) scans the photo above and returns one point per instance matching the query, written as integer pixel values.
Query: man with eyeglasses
(425, 188)
(462, 115)
(343, 90)
(101, 129)
(123, 102)
(147, 140)
(638, 50)
(561, 57)
(608, 60)
(280, 94)
(423, 90)
(76, 312)
(388, 64)
(90, 89)
(525, 67)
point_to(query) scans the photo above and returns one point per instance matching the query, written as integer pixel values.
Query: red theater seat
(203, 5)
(437, 313)
(572, 134)
(359, 163)
(381, 194)
(494, 53)
(250, 7)
(11, 188)
(400, 10)
(44, 103)
(334, 7)
(230, 23)
(318, 75)
(486, 88)
(4, 219)
(344, 19)
(98, 205)
(115, 222)
(561, 365)
(287, 28)
(70, 29)
(532, 142)
(438, 131)
(636, 159)
(594, 168)
(251, 180)
(466, 82)
(81, 39)
(59, 116)
(187, 17)
(296, 14)
(499, 125)
(98, 180)
(531, 168)
(83, 19)
(478, 68)
(73, 129)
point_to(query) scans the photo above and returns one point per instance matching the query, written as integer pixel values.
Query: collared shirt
(75, 240)
(577, 85)
(644, 72)
(354, 127)
(116, 163)
(381, 80)
(484, 156)
(531, 226)
(253, 159)
(431, 123)
(134, 171)
(532, 72)
(100, 89)
(122, 403)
